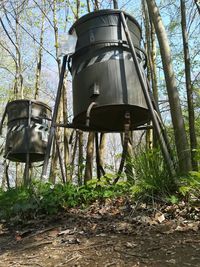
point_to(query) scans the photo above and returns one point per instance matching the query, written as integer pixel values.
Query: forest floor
(114, 233)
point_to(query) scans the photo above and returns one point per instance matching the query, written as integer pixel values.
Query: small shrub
(189, 187)
(152, 178)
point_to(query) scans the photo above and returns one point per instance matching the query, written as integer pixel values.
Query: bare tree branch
(44, 13)
(32, 37)
(8, 35)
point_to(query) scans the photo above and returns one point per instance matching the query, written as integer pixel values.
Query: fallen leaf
(160, 217)
(172, 261)
(65, 232)
(131, 245)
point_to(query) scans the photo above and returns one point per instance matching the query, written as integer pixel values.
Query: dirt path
(101, 239)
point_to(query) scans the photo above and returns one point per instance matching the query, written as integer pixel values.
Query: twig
(77, 257)
(110, 264)
(36, 245)
(91, 246)
(192, 241)
(130, 254)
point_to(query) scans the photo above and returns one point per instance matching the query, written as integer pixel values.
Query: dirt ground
(111, 235)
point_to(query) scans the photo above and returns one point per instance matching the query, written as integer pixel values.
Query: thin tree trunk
(18, 76)
(148, 48)
(89, 157)
(115, 4)
(88, 6)
(39, 59)
(129, 165)
(66, 133)
(96, 5)
(189, 89)
(54, 162)
(5, 179)
(80, 157)
(174, 101)
(197, 5)
(74, 149)
(102, 147)
(154, 76)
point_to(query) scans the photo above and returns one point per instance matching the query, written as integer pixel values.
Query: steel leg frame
(54, 117)
(144, 86)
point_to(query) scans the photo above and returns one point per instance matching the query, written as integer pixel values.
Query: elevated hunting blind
(27, 130)
(105, 81)
(110, 89)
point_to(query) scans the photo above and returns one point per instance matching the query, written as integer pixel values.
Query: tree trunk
(154, 76)
(115, 4)
(39, 59)
(96, 5)
(197, 5)
(148, 48)
(129, 166)
(88, 6)
(54, 162)
(66, 133)
(18, 75)
(80, 157)
(74, 149)
(189, 89)
(5, 183)
(102, 147)
(174, 101)
(89, 157)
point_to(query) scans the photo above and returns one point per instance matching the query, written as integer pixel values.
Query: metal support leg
(100, 169)
(97, 156)
(125, 145)
(143, 83)
(54, 118)
(27, 164)
(60, 160)
(2, 120)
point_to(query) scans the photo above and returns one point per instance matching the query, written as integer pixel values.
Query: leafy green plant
(46, 198)
(189, 187)
(152, 178)
(15, 202)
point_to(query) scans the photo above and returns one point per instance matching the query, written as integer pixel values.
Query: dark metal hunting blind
(27, 130)
(105, 81)
(110, 89)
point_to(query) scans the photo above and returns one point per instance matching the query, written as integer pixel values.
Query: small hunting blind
(27, 130)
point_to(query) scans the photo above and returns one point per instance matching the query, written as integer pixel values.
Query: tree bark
(102, 147)
(197, 5)
(96, 5)
(39, 59)
(80, 157)
(88, 6)
(115, 4)
(148, 48)
(74, 149)
(189, 89)
(54, 171)
(89, 157)
(174, 101)
(66, 133)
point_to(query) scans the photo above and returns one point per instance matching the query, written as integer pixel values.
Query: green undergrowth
(46, 198)
(150, 182)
